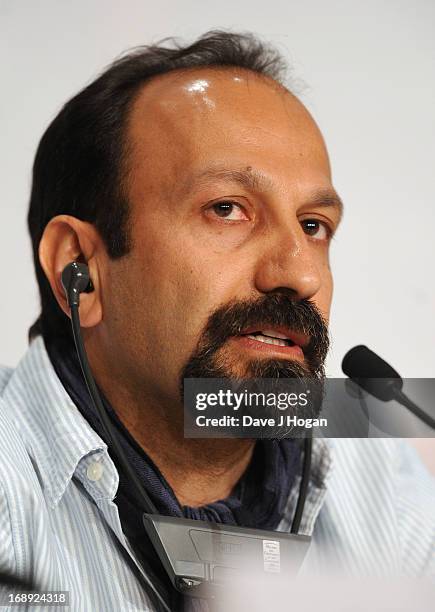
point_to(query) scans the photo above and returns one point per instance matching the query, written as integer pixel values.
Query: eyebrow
(256, 181)
(251, 179)
(327, 198)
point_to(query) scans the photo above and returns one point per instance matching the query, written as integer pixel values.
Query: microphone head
(371, 372)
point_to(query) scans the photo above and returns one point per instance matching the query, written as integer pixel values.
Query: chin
(262, 368)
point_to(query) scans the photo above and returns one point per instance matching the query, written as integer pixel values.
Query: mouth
(274, 341)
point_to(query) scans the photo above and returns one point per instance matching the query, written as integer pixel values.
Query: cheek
(181, 284)
(188, 258)
(199, 286)
(323, 297)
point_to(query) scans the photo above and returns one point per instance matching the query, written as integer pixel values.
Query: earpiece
(75, 280)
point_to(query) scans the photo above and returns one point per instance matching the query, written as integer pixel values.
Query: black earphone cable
(96, 399)
(114, 444)
(303, 488)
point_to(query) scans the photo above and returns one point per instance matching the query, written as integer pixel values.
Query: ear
(66, 239)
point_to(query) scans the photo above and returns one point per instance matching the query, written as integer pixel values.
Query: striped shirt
(370, 506)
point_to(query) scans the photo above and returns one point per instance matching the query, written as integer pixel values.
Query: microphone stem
(405, 401)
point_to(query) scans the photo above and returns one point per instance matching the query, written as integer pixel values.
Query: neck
(199, 471)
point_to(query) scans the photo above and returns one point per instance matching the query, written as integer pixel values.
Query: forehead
(184, 121)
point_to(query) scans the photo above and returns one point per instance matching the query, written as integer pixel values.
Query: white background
(369, 74)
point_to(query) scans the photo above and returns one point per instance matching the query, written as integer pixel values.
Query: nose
(287, 263)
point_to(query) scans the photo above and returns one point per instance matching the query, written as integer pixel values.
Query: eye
(319, 230)
(229, 210)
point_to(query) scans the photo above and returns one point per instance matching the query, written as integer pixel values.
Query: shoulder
(17, 472)
(415, 495)
(20, 493)
(19, 476)
(384, 459)
(393, 491)
(13, 447)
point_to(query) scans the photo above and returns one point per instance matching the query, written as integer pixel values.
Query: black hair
(79, 164)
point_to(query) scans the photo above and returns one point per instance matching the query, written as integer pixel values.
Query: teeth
(273, 334)
(268, 340)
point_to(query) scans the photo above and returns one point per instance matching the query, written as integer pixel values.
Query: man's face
(232, 209)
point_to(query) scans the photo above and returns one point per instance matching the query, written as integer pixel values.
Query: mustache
(277, 309)
(267, 311)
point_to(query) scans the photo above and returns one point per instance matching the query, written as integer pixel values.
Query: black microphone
(378, 378)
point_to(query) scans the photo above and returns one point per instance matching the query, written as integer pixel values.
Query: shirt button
(95, 471)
